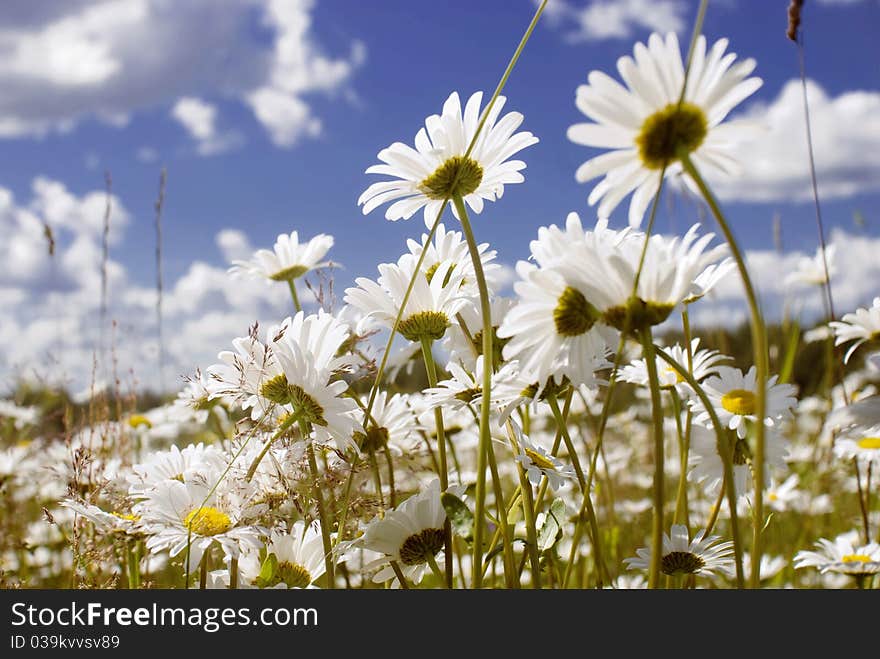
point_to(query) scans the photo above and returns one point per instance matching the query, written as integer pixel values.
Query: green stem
(657, 524)
(725, 450)
(431, 369)
(203, 570)
(233, 574)
(528, 505)
(285, 425)
(582, 481)
(759, 346)
(293, 294)
(681, 503)
(322, 513)
(486, 394)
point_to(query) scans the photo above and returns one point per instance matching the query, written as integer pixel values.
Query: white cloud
(106, 59)
(616, 19)
(854, 284)
(199, 118)
(51, 327)
(146, 154)
(234, 245)
(196, 116)
(846, 145)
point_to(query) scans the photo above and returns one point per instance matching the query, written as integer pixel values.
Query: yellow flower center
(424, 324)
(417, 548)
(669, 131)
(293, 575)
(457, 177)
(869, 443)
(739, 401)
(289, 274)
(276, 389)
(573, 315)
(126, 516)
(856, 558)
(680, 562)
(675, 374)
(136, 420)
(540, 461)
(207, 521)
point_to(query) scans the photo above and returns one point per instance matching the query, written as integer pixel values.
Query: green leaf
(267, 570)
(460, 516)
(551, 530)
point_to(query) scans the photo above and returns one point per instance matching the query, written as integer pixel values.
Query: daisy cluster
(434, 432)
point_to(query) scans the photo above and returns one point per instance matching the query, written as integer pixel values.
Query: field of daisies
(431, 433)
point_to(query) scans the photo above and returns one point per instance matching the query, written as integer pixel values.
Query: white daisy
(295, 559)
(411, 534)
(287, 260)
(424, 176)
(195, 464)
(705, 363)
(811, 271)
(451, 246)
(178, 515)
(862, 444)
(109, 522)
(732, 395)
(681, 555)
(430, 307)
(538, 462)
(671, 266)
(317, 400)
(392, 424)
(843, 556)
(646, 127)
(861, 326)
(553, 330)
(464, 340)
(707, 467)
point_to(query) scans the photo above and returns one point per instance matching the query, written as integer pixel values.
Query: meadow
(426, 431)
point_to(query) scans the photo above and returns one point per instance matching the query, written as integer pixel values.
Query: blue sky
(97, 89)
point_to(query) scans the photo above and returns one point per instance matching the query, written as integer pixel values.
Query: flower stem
(582, 481)
(528, 505)
(293, 294)
(203, 569)
(759, 346)
(486, 396)
(431, 369)
(657, 524)
(285, 425)
(725, 450)
(322, 512)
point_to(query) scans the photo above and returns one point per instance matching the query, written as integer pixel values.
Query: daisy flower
(538, 462)
(451, 246)
(437, 168)
(842, 556)
(811, 271)
(681, 555)
(178, 515)
(194, 464)
(393, 424)
(705, 363)
(646, 127)
(671, 266)
(464, 341)
(317, 400)
(862, 444)
(732, 395)
(109, 522)
(411, 534)
(707, 467)
(287, 260)
(296, 559)
(861, 326)
(431, 304)
(553, 330)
